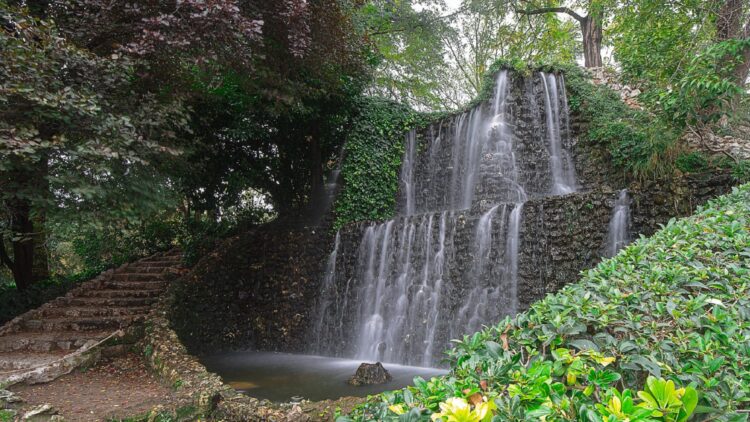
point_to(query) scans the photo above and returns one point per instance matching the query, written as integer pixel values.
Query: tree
(591, 26)
(485, 31)
(252, 65)
(69, 123)
(733, 23)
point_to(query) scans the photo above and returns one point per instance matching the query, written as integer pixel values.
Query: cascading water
(328, 289)
(448, 264)
(563, 175)
(618, 236)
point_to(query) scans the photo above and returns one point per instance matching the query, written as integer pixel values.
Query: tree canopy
(113, 112)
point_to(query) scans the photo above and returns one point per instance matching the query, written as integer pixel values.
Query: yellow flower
(397, 409)
(456, 409)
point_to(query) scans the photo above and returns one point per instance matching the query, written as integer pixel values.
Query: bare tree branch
(543, 10)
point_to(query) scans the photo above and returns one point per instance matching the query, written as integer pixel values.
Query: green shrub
(692, 162)
(638, 143)
(741, 171)
(669, 315)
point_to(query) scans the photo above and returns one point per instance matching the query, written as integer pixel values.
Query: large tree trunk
(729, 26)
(591, 29)
(316, 167)
(40, 270)
(23, 245)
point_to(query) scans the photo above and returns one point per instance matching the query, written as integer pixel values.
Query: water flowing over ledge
(448, 264)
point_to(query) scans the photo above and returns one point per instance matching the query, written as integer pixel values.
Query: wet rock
(369, 374)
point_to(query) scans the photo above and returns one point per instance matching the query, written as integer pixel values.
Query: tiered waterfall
(448, 263)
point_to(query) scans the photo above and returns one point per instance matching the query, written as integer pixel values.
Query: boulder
(369, 374)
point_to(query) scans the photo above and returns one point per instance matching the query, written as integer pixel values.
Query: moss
(7, 415)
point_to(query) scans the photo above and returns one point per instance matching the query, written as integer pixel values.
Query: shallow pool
(285, 377)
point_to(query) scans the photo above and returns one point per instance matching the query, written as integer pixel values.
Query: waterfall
(328, 289)
(563, 175)
(448, 262)
(407, 172)
(618, 236)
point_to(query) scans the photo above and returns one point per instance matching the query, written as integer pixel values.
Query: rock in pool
(370, 373)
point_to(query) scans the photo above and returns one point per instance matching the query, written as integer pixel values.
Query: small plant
(741, 171)
(667, 402)
(691, 162)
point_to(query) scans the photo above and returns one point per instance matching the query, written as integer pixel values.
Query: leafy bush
(668, 311)
(639, 143)
(741, 171)
(691, 162)
(706, 91)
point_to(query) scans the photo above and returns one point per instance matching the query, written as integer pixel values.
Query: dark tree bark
(316, 167)
(591, 31)
(24, 180)
(40, 267)
(23, 245)
(729, 26)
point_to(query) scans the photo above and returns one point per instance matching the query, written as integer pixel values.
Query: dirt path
(115, 388)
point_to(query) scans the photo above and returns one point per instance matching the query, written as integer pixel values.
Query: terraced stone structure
(101, 316)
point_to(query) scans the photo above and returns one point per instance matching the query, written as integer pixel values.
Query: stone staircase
(99, 316)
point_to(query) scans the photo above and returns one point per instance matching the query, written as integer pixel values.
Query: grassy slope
(675, 306)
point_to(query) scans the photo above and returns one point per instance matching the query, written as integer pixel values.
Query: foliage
(706, 90)
(372, 158)
(652, 42)
(691, 162)
(686, 57)
(668, 315)
(638, 142)
(741, 171)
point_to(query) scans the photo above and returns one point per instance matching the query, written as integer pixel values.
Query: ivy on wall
(372, 159)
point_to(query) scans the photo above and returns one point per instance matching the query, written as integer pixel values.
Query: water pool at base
(281, 376)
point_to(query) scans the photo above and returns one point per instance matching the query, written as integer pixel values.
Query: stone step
(170, 258)
(120, 293)
(138, 269)
(94, 311)
(125, 276)
(108, 301)
(81, 323)
(135, 285)
(22, 360)
(156, 264)
(49, 341)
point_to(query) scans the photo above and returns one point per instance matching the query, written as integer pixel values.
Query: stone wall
(259, 290)
(255, 290)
